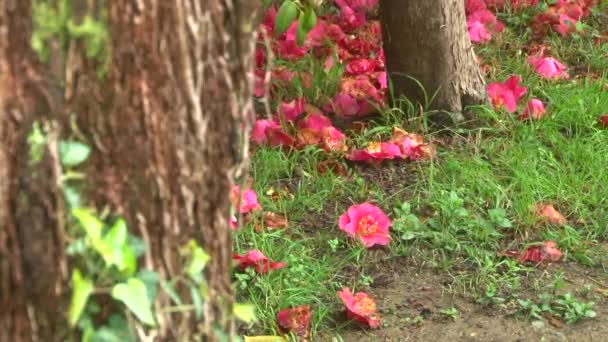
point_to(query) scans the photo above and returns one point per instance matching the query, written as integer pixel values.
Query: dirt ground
(404, 293)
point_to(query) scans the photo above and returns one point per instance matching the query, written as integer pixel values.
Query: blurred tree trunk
(428, 42)
(33, 268)
(168, 138)
(166, 126)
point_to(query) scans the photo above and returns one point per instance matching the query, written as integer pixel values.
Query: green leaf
(170, 290)
(121, 253)
(288, 12)
(134, 295)
(151, 280)
(197, 301)
(73, 153)
(81, 290)
(197, 262)
(89, 222)
(244, 312)
(72, 196)
(307, 22)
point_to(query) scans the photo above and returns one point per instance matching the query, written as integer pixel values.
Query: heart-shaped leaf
(73, 153)
(288, 12)
(81, 290)
(133, 293)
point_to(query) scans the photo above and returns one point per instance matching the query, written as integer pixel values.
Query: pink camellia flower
(295, 320)
(249, 200)
(547, 252)
(534, 110)
(350, 19)
(548, 67)
(258, 133)
(360, 307)
(566, 25)
(506, 94)
(376, 152)
(361, 66)
(234, 223)
(382, 79)
(412, 145)
(472, 6)
(548, 213)
(345, 105)
(368, 222)
(288, 47)
(481, 24)
(291, 110)
(360, 5)
(257, 259)
(519, 4)
(315, 121)
(333, 139)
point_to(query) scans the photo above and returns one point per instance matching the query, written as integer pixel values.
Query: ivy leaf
(151, 280)
(73, 153)
(305, 25)
(288, 12)
(197, 262)
(197, 300)
(89, 222)
(82, 289)
(134, 295)
(244, 312)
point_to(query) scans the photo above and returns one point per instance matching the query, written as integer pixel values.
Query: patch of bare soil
(411, 300)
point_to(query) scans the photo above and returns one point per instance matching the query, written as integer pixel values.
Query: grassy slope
(562, 159)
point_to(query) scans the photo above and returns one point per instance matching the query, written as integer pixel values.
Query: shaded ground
(411, 300)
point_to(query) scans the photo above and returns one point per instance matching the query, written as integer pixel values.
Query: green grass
(461, 208)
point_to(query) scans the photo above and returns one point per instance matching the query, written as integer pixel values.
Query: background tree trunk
(428, 41)
(33, 268)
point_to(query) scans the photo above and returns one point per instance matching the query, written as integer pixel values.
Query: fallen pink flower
(249, 200)
(548, 67)
(376, 152)
(548, 213)
(534, 110)
(482, 24)
(333, 139)
(361, 66)
(360, 307)
(367, 222)
(506, 94)
(547, 252)
(256, 259)
(345, 105)
(234, 223)
(295, 320)
(260, 127)
(412, 145)
(315, 121)
(291, 110)
(472, 6)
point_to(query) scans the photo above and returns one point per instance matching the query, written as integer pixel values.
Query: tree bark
(33, 268)
(168, 139)
(166, 127)
(428, 42)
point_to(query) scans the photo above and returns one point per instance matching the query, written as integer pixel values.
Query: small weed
(451, 313)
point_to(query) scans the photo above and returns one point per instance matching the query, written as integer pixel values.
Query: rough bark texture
(33, 270)
(166, 130)
(428, 41)
(167, 146)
